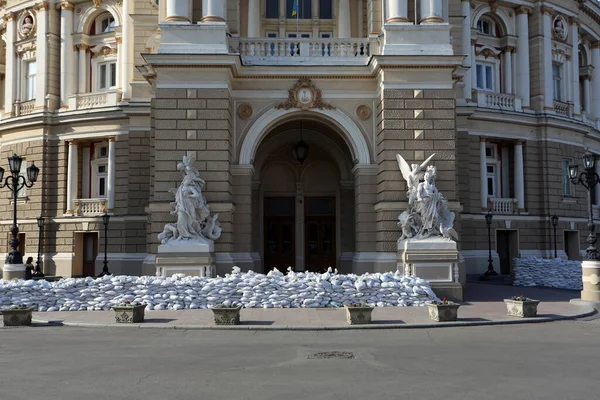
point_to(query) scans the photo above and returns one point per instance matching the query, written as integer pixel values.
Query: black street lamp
(490, 271)
(105, 220)
(38, 269)
(554, 220)
(16, 182)
(588, 179)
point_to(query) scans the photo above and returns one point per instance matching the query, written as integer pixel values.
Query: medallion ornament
(363, 112)
(304, 95)
(245, 111)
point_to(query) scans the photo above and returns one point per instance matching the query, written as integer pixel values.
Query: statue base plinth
(13, 271)
(185, 257)
(434, 259)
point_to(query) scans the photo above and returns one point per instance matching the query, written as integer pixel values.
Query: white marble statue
(194, 222)
(428, 213)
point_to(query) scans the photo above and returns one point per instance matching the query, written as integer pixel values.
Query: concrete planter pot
(21, 317)
(227, 315)
(443, 312)
(523, 309)
(129, 314)
(357, 315)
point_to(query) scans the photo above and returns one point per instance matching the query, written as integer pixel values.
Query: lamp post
(490, 271)
(554, 220)
(588, 179)
(16, 182)
(38, 269)
(105, 220)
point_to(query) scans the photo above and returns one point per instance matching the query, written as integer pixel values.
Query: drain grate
(338, 355)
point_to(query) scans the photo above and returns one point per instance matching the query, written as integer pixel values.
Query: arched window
(104, 23)
(486, 26)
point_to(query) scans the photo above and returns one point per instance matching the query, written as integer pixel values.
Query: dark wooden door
(279, 230)
(90, 252)
(320, 234)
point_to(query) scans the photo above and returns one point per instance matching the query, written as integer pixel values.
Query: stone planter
(129, 314)
(523, 309)
(227, 315)
(443, 312)
(21, 317)
(358, 315)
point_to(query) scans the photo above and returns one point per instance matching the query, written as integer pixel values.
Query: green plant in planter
(521, 306)
(17, 315)
(129, 312)
(226, 314)
(443, 310)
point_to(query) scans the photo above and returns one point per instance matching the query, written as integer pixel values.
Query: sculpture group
(194, 222)
(428, 213)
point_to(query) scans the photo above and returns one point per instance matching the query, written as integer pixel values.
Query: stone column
(344, 24)
(547, 57)
(213, 11)
(83, 68)
(67, 77)
(253, 18)
(179, 11)
(483, 188)
(505, 172)
(243, 221)
(110, 184)
(466, 47)
(575, 61)
(365, 217)
(507, 61)
(41, 56)
(72, 176)
(473, 73)
(10, 78)
(587, 101)
(396, 11)
(519, 179)
(126, 50)
(431, 12)
(595, 108)
(523, 74)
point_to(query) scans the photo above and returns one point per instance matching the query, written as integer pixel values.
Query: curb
(537, 320)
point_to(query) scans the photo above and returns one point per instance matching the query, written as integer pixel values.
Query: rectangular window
(325, 9)
(557, 81)
(301, 9)
(485, 76)
(566, 181)
(326, 35)
(491, 181)
(107, 75)
(30, 73)
(272, 9)
(101, 176)
(304, 35)
(272, 34)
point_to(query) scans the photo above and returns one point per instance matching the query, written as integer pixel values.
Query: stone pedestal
(13, 271)
(189, 258)
(434, 259)
(590, 275)
(408, 39)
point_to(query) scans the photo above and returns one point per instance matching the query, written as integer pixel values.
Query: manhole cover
(342, 355)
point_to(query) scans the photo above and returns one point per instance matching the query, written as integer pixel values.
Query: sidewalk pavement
(483, 305)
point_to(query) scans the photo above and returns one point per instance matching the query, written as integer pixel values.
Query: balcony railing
(502, 206)
(24, 107)
(562, 108)
(271, 51)
(86, 101)
(89, 207)
(499, 101)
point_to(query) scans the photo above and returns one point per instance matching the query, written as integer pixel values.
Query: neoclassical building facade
(294, 116)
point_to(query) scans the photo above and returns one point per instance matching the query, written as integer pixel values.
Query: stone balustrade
(89, 207)
(272, 51)
(502, 206)
(24, 108)
(499, 101)
(562, 108)
(86, 101)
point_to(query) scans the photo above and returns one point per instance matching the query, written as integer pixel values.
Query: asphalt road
(556, 361)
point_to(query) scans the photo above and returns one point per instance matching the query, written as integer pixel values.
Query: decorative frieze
(304, 95)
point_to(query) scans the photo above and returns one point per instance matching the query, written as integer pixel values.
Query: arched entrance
(306, 210)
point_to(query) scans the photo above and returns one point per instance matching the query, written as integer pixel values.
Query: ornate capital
(82, 46)
(574, 21)
(65, 5)
(523, 10)
(97, 3)
(43, 6)
(546, 10)
(11, 16)
(509, 49)
(596, 45)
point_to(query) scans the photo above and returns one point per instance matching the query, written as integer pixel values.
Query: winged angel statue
(194, 222)
(428, 213)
